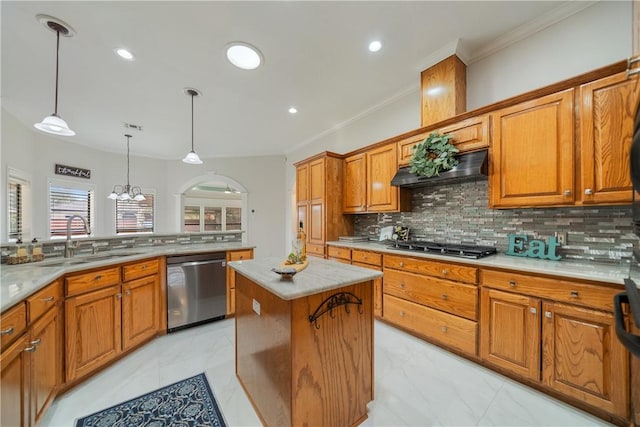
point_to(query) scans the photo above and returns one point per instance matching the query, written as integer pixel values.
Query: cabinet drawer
(450, 330)
(12, 323)
(40, 302)
(240, 255)
(454, 298)
(442, 270)
(140, 269)
(599, 297)
(338, 252)
(366, 257)
(317, 250)
(93, 280)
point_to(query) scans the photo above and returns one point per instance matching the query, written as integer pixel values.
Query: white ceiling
(316, 58)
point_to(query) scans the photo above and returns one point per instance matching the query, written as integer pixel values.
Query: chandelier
(126, 192)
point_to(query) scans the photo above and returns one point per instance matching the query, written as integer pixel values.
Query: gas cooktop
(450, 249)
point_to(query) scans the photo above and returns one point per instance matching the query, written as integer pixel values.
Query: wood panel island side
(304, 347)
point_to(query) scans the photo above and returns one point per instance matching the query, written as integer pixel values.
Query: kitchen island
(304, 346)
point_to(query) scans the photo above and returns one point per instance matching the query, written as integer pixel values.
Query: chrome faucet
(69, 247)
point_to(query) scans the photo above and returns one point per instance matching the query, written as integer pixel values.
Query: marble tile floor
(416, 384)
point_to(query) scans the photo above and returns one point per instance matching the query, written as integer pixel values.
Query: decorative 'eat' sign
(520, 245)
(73, 171)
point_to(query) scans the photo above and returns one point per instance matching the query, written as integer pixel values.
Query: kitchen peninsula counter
(304, 347)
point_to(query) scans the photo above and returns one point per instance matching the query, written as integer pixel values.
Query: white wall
(36, 154)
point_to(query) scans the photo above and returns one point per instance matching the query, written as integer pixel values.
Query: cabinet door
(532, 160)
(46, 362)
(582, 357)
(14, 384)
(607, 111)
(510, 332)
(93, 331)
(139, 311)
(377, 288)
(355, 189)
(316, 225)
(316, 180)
(469, 135)
(302, 183)
(382, 165)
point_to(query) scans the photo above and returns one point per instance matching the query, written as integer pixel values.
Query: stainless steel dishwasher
(196, 289)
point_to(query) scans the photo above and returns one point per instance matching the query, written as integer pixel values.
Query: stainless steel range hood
(472, 166)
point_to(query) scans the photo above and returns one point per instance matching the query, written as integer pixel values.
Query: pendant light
(54, 124)
(126, 192)
(191, 157)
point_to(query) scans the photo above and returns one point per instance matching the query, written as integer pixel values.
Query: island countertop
(320, 275)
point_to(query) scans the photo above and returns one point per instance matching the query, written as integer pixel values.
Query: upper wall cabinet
(532, 154)
(467, 135)
(367, 183)
(607, 110)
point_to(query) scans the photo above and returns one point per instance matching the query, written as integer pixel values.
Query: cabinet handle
(128, 292)
(547, 314)
(443, 329)
(512, 283)
(444, 272)
(402, 314)
(119, 296)
(98, 277)
(588, 191)
(144, 267)
(574, 294)
(36, 342)
(30, 349)
(401, 285)
(401, 264)
(567, 192)
(8, 331)
(533, 310)
(49, 299)
(444, 296)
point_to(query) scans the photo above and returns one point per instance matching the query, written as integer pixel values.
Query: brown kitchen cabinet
(140, 303)
(532, 153)
(319, 201)
(367, 184)
(32, 366)
(467, 135)
(231, 278)
(607, 111)
(558, 333)
(436, 300)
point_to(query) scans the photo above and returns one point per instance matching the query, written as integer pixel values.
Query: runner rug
(189, 402)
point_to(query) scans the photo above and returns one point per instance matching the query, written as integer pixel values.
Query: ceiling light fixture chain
(54, 124)
(192, 158)
(127, 192)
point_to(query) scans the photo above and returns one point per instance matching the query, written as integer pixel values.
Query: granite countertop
(599, 272)
(17, 282)
(320, 275)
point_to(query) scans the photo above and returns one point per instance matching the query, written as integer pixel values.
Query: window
(199, 218)
(67, 199)
(18, 205)
(135, 217)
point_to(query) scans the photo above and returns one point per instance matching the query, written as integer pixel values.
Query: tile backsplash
(459, 213)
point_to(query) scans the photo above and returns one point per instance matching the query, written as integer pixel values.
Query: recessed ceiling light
(125, 54)
(244, 56)
(375, 46)
(293, 110)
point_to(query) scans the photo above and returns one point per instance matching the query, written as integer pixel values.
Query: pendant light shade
(192, 158)
(127, 192)
(54, 124)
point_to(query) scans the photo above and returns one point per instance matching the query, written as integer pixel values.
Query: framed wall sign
(73, 171)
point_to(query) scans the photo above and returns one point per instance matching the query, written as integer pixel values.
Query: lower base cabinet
(14, 384)
(140, 320)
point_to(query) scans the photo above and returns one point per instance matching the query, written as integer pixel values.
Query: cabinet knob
(98, 277)
(128, 292)
(402, 314)
(547, 314)
(30, 349)
(49, 299)
(36, 342)
(443, 329)
(8, 331)
(119, 296)
(567, 192)
(444, 296)
(401, 264)
(574, 294)
(588, 191)
(512, 283)
(144, 266)
(444, 271)
(533, 310)
(401, 285)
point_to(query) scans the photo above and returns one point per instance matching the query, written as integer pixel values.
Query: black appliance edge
(471, 166)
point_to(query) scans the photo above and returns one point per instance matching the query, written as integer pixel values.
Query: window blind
(15, 210)
(65, 202)
(135, 217)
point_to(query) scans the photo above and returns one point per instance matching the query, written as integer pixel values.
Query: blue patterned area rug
(188, 402)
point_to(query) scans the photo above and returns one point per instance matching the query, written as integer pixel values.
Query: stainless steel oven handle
(630, 341)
